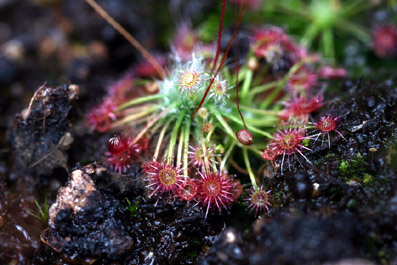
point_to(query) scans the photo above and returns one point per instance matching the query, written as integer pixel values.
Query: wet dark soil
(340, 209)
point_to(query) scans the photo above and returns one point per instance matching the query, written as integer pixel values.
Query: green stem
(174, 135)
(186, 147)
(255, 150)
(247, 83)
(328, 44)
(248, 165)
(161, 137)
(242, 74)
(262, 122)
(250, 127)
(309, 36)
(355, 7)
(225, 125)
(259, 77)
(202, 142)
(262, 88)
(228, 152)
(260, 111)
(211, 131)
(133, 117)
(150, 124)
(139, 100)
(180, 147)
(360, 32)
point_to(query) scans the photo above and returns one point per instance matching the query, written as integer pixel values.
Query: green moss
(306, 142)
(344, 165)
(354, 169)
(277, 199)
(367, 178)
(132, 207)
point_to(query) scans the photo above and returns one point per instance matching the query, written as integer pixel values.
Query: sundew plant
(197, 118)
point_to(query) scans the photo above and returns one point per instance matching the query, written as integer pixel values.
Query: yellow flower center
(218, 89)
(259, 198)
(167, 176)
(289, 141)
(189, 79)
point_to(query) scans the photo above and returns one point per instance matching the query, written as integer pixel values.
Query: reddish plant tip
(332, 73)
(327, 123)
(198, 155)
(237, 189)
(245, 137)
(120, 152)
(302, 107)
(385, 41)
(146, 69)
(118, 144)
(150, 167)
(303, 80)
(271, 154)
(185, 41)
(289, 142)
(101, 116)
(163, 178)
(188, 190)
(259, 200)
(215, 190)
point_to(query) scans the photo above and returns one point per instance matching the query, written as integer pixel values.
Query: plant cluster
(190, 149)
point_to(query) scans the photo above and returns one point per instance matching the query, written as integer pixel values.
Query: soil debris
(41, 132)
(85, 224)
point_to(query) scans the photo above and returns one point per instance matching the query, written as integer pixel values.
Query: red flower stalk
(259, 200)
(289, 142)
(252, 4)
(164, 179)
(215, 191)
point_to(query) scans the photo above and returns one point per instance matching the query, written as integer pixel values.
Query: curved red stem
(218, 48)
(237, 87)
(240, 18)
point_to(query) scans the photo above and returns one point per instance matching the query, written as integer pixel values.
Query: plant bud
(245, 137)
